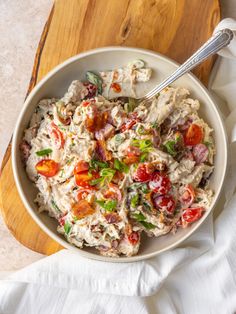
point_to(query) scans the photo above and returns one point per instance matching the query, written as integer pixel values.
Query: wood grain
(173, 28)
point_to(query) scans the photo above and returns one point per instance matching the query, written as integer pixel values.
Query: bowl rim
(14, 151)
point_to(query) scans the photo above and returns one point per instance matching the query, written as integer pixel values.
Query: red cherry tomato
(192, 214)
(47, 167)
(116, 87)
(160, 183)
(164, 203)
(188, 195)
(83, 178)
(113, 192)
(194, 135)
(133, 238)
(81, 167)
(143, 173)
(82, 209)
(58, 135)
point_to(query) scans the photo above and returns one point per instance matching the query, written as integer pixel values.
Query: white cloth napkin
(197, 277)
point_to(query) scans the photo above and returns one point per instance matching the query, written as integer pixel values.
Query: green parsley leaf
(170, 147)
(95, 80)
(143, 157)
(106, 175)
(107, 205)
(95, 164)
(148, 225)
(130, 106)
(54, 205)
(67, 227)
(120, 166)
(154, 125)
(139, 217)
(142, 219)
(144, 145)
(134, 200)
(44, 152)
(207, 143)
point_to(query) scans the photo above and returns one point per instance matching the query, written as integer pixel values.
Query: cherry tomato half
(133, 238)
(82, 209)
(81, 166)
(160, 183)
(164, 203)
(192, 214)
(188, 195)
(58, 135)
(143, 173)
(47, 167)
(83, 178)
(194, 135)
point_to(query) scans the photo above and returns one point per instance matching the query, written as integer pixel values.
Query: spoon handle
(221, 39)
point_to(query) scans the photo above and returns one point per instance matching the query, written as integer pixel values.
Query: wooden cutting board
(173, 28)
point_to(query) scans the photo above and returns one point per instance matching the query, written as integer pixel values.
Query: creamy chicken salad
(109, 169)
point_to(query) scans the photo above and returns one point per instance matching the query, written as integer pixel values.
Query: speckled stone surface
(21, 24)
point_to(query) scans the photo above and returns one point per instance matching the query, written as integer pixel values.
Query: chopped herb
(144, 145)
(95, 80)
(107, 205)
(119, 138)
(147, 206)
(44, 152)
(134, 200)
(54, 205)
(106, 175)
(139, 186)
(148, 225)
(139, 217)
(144, 188)
(69, 161)
(143, 157)
(120, 166)
(142, 219)
(154, 125)
(207, 143)
(62, 173)
(170, 147)
(141, 130)
(95, 164)
(67, 227)
(130, 106)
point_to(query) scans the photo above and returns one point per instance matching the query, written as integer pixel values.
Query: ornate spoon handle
(221, 39)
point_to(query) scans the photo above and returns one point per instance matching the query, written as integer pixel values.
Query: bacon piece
(25, 150)
(112, 218)
(101, 151)
(105, 133)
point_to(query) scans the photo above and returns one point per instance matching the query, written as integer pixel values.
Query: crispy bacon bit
(105, 133)
(25, 150)
(101, 151)
(112, 218)
(82, 209)
(95, 120)
(116, 87)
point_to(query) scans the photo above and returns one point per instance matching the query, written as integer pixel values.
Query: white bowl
(56, 83)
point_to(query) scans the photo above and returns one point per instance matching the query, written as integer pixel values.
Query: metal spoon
(221, 39)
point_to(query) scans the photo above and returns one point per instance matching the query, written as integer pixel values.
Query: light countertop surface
(21, 24)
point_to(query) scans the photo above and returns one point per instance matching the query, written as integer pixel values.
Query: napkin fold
(199, 276)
